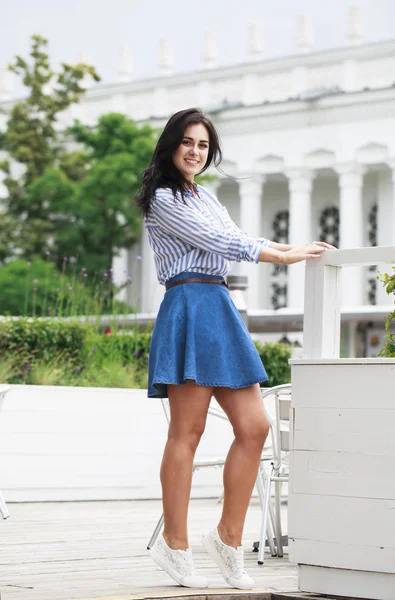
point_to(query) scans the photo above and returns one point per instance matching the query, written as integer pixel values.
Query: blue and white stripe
(198, 236)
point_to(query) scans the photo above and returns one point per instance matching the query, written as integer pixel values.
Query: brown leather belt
(195, 280)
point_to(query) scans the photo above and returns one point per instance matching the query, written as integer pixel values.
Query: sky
(95, 29)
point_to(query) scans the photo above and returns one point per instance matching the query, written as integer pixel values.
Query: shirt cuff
(256, 249)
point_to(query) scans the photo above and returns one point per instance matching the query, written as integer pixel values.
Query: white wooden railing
(321, 329)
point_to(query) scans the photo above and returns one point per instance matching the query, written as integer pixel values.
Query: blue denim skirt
(200, 335)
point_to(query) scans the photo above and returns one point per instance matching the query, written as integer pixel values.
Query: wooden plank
(343, 474)
(360, 256)
(345, 386)
(342, 520)
(343, 556)
(345, 430)
(64, 551)
(341, 582)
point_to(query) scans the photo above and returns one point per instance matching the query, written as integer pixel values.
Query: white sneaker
(178, 564)
(229, 560)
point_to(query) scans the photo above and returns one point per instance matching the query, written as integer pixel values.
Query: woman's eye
(185, 142)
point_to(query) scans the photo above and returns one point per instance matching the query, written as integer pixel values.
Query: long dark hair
(162, 171)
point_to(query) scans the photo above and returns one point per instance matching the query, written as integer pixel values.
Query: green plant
(37, 288)
(7, 369)
(389, 284)
(52, 372)
(275, 359)
(28, 341)
(126, 347)
(60, 352)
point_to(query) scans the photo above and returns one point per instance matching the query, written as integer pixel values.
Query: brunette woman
(200, 346)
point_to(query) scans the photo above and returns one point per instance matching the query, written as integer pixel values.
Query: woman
(200, 346)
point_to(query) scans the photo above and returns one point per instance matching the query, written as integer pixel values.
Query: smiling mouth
(191, 162)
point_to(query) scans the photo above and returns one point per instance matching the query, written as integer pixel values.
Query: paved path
(97, 550)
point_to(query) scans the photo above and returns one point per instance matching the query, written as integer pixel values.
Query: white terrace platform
(96, 550)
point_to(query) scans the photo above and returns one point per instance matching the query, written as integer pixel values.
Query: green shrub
(389, 284)
(275, 359)
(39, 289)
(60, 352)
(31, 340)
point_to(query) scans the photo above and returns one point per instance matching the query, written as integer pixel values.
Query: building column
(250, 192)
(213, 186)
(300, 229)
(120, 273)
(351, 229)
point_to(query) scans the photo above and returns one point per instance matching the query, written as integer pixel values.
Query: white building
(309, 141)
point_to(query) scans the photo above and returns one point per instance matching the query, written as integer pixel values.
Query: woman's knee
(189, 436)
(254, 433)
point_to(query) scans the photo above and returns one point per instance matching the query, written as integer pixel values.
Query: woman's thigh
(245, 410)
(189, 405)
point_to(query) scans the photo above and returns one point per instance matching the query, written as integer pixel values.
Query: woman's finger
(325, 245)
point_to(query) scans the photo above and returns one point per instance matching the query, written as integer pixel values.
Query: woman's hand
(299, 253)
(325, 245)
(293, 254)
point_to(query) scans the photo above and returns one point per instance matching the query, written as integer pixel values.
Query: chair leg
(156, 532)
(260, 484)
(265, 510)
(277, 491)
(271, 535)
(3, 507)
(272, 525)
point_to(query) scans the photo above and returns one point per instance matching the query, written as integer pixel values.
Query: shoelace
(240, 564)
(188, 558)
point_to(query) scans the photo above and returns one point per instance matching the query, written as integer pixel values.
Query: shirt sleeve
(265, 242)
(188, 224)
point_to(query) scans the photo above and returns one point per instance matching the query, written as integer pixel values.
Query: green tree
(33, 144)
(94, 212)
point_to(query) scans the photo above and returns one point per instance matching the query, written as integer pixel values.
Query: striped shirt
(198, 236)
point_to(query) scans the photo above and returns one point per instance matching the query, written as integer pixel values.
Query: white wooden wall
(342, 490)
(59, 443)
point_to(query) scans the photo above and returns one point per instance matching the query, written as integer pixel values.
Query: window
(279, 286)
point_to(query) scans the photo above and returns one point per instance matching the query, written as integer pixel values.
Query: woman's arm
(188, 224)
(281, 247)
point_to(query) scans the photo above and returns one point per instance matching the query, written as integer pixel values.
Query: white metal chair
(278, 472)
(3, 508)
(219, 462)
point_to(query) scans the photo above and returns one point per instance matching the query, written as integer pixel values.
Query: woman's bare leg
(245, 410)
(188, 412)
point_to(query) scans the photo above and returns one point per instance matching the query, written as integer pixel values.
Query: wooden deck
(97, 550)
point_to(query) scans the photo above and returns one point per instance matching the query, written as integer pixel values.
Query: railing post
(321, 327)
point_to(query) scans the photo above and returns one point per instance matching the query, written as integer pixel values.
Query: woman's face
(191, 155)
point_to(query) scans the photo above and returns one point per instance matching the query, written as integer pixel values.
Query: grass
(57, 372)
